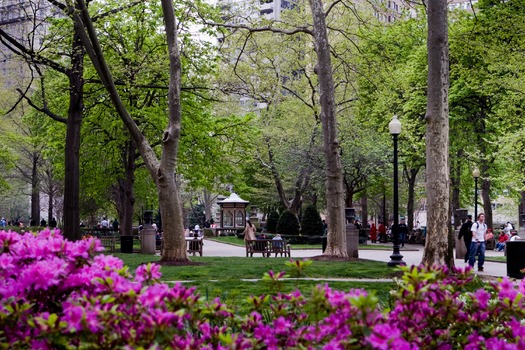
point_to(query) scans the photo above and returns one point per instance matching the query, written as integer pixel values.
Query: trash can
(126, 244)
(515, 251)
(352, 241)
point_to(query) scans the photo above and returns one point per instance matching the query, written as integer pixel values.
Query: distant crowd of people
(383, 233)
(32, 222)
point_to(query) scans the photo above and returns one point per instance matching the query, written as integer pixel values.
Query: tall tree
(73, 69)
(162, 171)
(439, 241)
(335, 207)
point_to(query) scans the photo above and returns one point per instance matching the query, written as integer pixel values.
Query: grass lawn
(234, 279)
(496, 258)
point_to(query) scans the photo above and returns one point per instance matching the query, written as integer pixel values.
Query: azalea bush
(57, 294)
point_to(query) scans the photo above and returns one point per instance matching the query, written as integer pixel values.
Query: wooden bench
(109, 242)
(267, 247)
(280, 246)
(254, 246)
(194, 245)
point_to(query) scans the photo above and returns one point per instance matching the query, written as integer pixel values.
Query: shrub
(311, 225)
(271, 222)
(288, 224)
(56, 294)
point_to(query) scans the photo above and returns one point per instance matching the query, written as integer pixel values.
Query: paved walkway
(412, 255)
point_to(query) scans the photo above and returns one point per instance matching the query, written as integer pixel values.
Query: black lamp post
(476, 174)
(396, 258)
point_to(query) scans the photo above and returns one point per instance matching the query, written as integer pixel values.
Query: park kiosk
(232, 214)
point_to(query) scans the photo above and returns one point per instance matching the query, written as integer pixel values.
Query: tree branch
(44, 110)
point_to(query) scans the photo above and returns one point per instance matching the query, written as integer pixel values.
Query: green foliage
(311, 224)
(298, 267)
(196, 216)
(271, 222)
(288, 224)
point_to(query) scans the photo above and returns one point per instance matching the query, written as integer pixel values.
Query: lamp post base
(396, 259)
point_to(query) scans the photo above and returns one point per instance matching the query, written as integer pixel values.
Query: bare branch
(42, 109)
(331, 7)
(28, 54)
(117, 10)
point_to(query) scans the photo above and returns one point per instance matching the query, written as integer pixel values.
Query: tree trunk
(364, 210)
(35, 189)
(455, 182)
(521, 210)
(485, 195)
(411, 175)
(437, 128)
(124, 193)
(71, 229)
(51, 198)
(349, 191)
(208, 200)
(163, 172)
(336, 244)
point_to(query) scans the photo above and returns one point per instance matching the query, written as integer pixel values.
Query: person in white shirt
(508, 228)
(514, 236)
(479, 228)
(197, 229)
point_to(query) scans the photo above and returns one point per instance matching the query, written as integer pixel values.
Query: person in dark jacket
(402, 229)
(466, 234)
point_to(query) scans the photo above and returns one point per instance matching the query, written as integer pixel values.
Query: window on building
(239, 219)
(228, 219)
(266, 12)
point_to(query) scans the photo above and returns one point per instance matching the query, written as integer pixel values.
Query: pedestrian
(43, 222)
(402, 229)
(249, 231)
(115, 224)
(325, 228)
(373, 233)
(477, 247)
(466, 234)
(382, 233)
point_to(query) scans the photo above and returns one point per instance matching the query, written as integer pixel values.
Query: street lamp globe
(475, 173)
(394, 126)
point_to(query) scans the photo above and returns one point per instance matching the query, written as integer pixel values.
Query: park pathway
(412, 255)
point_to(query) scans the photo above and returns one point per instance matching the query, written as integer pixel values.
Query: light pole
(476, 174)
(396, 258)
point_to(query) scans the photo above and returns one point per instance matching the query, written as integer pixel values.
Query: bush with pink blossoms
(57, 294)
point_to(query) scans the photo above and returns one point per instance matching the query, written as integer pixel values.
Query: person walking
(249, 231)
(466, 234)
(477, 247)
(402, 229)
(382, 233)
(373, 233)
